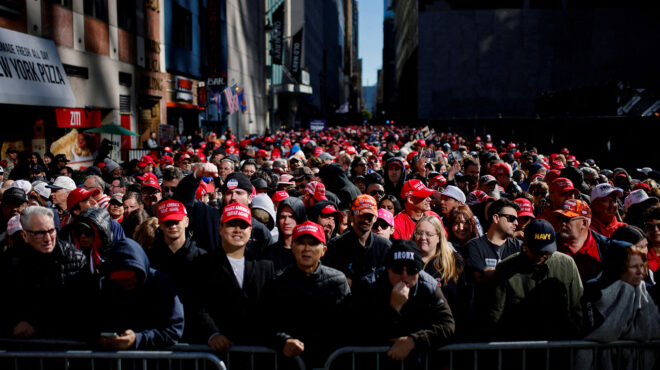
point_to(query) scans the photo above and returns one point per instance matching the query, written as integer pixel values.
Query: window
(126, 14)
(181, 27)
(97, 9)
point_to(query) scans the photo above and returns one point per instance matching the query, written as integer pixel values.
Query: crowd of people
(309, 241)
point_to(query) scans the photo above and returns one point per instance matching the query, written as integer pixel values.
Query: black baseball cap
(404, 253)
(14, 196)
(61, 158)
(540, 237)
(237, 180)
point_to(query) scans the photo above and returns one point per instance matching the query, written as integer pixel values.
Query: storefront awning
(31, 72)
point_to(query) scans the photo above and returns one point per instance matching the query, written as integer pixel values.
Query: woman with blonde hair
(444, 263)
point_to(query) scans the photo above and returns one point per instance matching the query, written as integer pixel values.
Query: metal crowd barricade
(58, 348)
(138, 359)
(137, 153)
(509, 355)
(251, 351)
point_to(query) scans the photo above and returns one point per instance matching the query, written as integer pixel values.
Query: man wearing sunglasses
(403, 305)
(485, 253)
(43, 281)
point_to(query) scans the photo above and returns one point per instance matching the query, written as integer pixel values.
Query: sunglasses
(651, 226)
(376, 192)
(380, 225)
(539, 193)
(85, 232)
(510, 218)
(410, 270)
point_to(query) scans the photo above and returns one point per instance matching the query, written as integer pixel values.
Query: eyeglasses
(410, 270)
(40, 234)
(510, 218)
(169, 189)
(376, 192)
(564, 219)
(651, 226)
(419, 234)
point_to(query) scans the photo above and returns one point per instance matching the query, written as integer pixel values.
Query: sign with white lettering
(77, 117)
(31, 72)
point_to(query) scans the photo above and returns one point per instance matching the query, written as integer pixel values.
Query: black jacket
(335, 179)
(204, 221)
(222, 306)
(346, 254)
(426, 316)
(179, 266)
(48, 291)
(153, 310)
(311, 308)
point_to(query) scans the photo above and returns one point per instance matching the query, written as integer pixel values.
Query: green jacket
(536, 302)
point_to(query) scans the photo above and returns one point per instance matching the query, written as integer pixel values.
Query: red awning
(77, 117)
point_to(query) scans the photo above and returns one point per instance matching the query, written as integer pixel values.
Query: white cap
(63, 182)
(604, 190)
(23, 185)
(41, 188)
(638, 196)
(454, 192)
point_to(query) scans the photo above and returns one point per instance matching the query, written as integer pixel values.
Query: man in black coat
(306, 304)
(229, 285)
(359, 251)
(402, 304)
(205, 219)
(174, 253)
(43, 282)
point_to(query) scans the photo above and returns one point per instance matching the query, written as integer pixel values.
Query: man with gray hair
(43, 281)
(96, 182)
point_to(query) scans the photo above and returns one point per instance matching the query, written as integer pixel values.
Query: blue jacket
(152, 310)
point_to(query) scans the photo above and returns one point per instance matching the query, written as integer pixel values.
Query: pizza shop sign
(31, 72)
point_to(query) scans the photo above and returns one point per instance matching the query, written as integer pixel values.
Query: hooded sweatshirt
(263, 201)
(104, 239)
(283, 257)
(335, 179)
(152, 310)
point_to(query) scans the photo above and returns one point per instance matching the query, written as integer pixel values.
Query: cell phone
(109, 335)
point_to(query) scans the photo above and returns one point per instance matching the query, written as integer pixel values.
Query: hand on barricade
(125, 340)
(401, 348)
(220, 343)
(293, 348)
(205, 170)
(399, 295)
(23, 330)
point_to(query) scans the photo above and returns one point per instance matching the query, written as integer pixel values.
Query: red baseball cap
(145, 160)
(437, 182)
(261, 153)
(562, 185)
(168, 149)
(236, 211)
(558, 165)
(77, 195)
(526, 209)
(421, 142)
(317, 151)
(204, 189)
(351, 150)
(500, 169)
(171, 210)
(148, 176)
(166, 159)
(184, 156)
(309, 228)
(280, 195)
(415, 188)
(330, 210)
(229, 143)
(316, 190)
